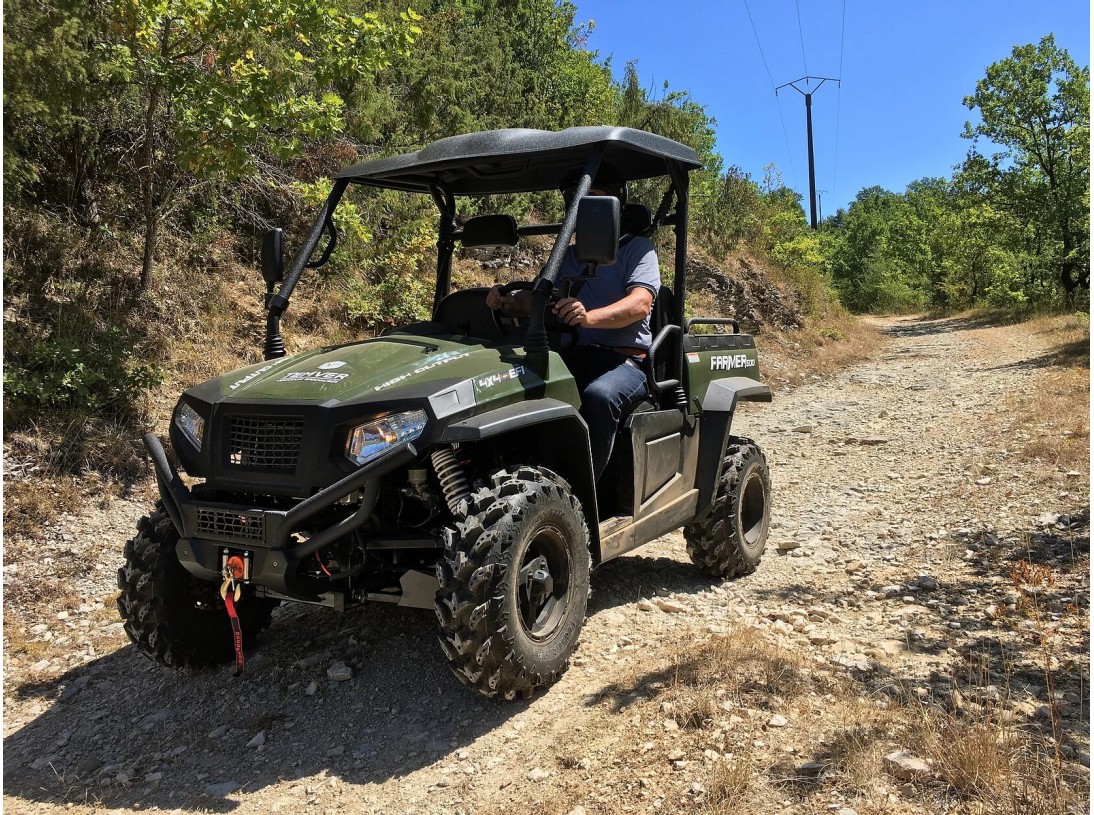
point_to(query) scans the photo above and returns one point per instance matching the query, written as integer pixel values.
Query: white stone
(906, 766)
(339, 672)
(670, 606)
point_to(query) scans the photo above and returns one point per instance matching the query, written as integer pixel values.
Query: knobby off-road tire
(514, 584)
(172, 617)
(730, 541)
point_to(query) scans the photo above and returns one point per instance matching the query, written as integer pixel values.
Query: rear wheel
(514, 584)
(730, 541)
(172, 617)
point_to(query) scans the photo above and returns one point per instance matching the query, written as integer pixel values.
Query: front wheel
(514, 584)
(172, 617)
(730, 541)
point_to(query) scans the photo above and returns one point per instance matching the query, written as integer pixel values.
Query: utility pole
(809, 134)
(820, 204)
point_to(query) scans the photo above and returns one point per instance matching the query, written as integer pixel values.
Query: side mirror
(273, 257)
(597, 230)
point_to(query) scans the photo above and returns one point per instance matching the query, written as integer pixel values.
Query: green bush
(98, 375)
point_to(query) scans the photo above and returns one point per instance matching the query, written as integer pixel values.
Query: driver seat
(466, 312)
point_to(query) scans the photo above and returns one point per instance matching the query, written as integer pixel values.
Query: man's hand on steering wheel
(499, 299)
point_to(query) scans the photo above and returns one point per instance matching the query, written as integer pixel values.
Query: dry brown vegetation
(716, 698)
(1053, 419)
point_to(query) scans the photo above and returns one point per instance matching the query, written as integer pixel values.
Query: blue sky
(905, 69)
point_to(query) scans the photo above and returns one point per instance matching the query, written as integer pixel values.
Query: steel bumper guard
(207, 527)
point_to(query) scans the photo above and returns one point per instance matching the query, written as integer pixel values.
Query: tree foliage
(1035, 106)
(1010, 229)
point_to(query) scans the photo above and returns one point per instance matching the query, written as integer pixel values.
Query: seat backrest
(635, 219)
(667, 359)
(466, 312)
(485, 231)
(664, 307)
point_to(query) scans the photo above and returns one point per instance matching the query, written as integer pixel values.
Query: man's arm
(627, 311)
(515, 304)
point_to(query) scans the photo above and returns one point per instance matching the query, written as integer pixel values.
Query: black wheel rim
(753, 508)
(205, 598)
(543, 583)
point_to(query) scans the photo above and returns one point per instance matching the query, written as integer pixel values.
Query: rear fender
(559, 437)
(719, 402)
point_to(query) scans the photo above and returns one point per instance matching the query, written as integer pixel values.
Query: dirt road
(897, 498)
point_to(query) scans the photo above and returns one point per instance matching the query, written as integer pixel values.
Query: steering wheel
(552, 323)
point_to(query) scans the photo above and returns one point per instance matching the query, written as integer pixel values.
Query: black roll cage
(544, 283)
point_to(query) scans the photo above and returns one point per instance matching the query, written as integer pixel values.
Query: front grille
(227, 524)
(270, 443)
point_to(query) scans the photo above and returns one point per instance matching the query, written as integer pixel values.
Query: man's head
(608, 181)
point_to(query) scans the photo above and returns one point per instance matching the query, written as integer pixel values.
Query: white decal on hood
(321, 377)
(432, 362)
(496, 379)
(330, 366)
(253, 374)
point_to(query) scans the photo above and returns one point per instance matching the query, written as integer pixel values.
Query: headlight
(190, 423)
(368, 440)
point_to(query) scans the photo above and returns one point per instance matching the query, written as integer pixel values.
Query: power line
(778, 105)
(801, 36)
(839, 89)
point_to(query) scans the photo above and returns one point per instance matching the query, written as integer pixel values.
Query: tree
(1035, 104)
(219, 80)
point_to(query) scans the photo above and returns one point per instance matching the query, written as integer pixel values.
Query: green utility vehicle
(444, 464)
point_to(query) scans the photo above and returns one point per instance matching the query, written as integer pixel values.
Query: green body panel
(703, 367)
(376, 369)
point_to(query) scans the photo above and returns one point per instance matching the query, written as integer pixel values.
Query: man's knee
(601, 397)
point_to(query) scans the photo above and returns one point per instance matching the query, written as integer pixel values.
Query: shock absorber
(453, 482)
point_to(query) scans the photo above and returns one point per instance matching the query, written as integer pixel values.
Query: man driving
(613, 312)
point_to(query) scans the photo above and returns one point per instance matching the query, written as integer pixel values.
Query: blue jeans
(608, 384)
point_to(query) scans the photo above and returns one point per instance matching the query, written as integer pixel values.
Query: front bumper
(207, 528)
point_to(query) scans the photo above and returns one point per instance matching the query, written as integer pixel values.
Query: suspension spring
(453, 482)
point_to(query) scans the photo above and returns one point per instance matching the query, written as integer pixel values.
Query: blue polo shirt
(635, 265)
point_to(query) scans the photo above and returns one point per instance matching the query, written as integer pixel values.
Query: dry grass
(741, 666)
(1068, 335)
(853, 752)
(727, 785)
(816, 350)
(990, 762)
(17, 641)
(1053, 418)
(31, 503)
(1056, 417)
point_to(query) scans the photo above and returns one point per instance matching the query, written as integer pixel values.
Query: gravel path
(896, 502)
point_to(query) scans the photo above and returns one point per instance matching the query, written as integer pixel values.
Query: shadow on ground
(116, 721)
(925, 326)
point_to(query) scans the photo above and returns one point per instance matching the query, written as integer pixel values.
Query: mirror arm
(332, 241)
(277, 303)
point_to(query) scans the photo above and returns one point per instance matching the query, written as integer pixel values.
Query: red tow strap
(237, 632)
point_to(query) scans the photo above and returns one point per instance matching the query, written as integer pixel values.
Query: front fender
(719, 402)
(559, 435)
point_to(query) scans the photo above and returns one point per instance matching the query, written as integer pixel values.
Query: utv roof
(520, 160)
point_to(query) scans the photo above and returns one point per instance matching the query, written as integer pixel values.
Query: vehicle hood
(358, 370)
